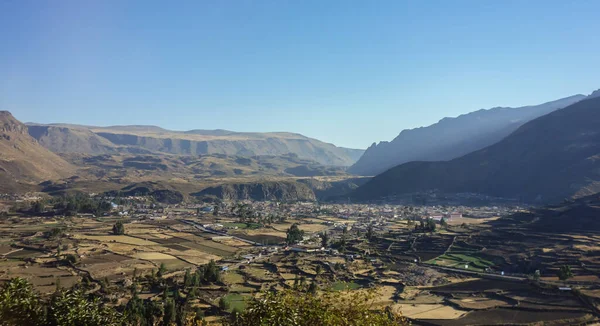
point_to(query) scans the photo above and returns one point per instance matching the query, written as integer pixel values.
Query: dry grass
(116, 238)
(153, 256)
(429, 311)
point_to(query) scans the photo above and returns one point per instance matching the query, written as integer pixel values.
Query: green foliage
(427, 225)
(187, 279)
(443, 222)
(19, 304)
(162, 270)
(80, 203)
(170, 313)
(294, 308)
(210, 273)
(118, 228)
(224, 304)
(370, 233)
(74, 308)
(565, 273)
(70, 259)
(324, 239)
(294, 234)
(38, 207)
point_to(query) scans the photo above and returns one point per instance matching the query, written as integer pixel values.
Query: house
(455, 215)
(305, 249)
(436, 217)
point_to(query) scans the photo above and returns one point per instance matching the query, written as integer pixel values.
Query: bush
(297, 308)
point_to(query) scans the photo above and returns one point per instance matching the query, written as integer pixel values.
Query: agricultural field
(35, 248)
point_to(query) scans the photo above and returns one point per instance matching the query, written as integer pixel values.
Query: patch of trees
(332, 308)
(294, 234)
(21, 305)
(118, 228)
(427, 225)
(565, 273)
(80, 203)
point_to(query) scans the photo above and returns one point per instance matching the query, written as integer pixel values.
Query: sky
(346, 72)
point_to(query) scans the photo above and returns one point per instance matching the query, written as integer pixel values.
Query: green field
(237, 301)
(475, 262)
(343, 286)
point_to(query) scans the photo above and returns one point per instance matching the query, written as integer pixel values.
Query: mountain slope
(549, 158)
(150, 139)
(22, 160)
(452, 137)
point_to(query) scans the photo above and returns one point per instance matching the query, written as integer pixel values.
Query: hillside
(23, 162)
(452, 137)
(268, 190)
(132, 167)
(547, 159)
(64, 138)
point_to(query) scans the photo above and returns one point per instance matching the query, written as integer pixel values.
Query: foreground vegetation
(21, 305)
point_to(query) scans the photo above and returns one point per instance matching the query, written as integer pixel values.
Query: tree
(330, 308)
(216, 210)
(118, 228)
(443, 222)
(370, 232)
(187, 279)
(170, 313)
(19, 304)
(294, 234)
(161, 270)
(565, 273)
(212, 274)
(318, 270)
(536, 275)
(324, 239)
(70, 259)
(38, 207)
(73, 307)
(224, 304)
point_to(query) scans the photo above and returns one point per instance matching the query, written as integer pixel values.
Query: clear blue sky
(346, 72)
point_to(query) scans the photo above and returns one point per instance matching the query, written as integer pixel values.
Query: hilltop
(547, 159)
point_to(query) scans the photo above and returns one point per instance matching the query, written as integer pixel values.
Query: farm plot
(429, 311)
(115, 238)
(503, 316)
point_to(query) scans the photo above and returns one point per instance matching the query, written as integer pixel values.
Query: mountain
(452, 137)
(549, 158)
(23, 162)
(63, 138)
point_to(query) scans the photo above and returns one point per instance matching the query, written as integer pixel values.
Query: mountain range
(66, 138)
(452, 137)
(547, 159)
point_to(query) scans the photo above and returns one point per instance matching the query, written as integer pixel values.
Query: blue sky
(347, 72)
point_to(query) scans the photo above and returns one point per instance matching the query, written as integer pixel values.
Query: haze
(349, 73)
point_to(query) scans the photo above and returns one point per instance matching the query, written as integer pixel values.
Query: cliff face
(269, 190)
(149, 139)
(23, 161)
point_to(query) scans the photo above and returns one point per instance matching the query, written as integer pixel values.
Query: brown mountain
(452, 137)
(23, 162)
(549, 158)
(64, 138)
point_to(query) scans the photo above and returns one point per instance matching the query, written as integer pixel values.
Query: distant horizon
(344, 72)
(286, 131)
